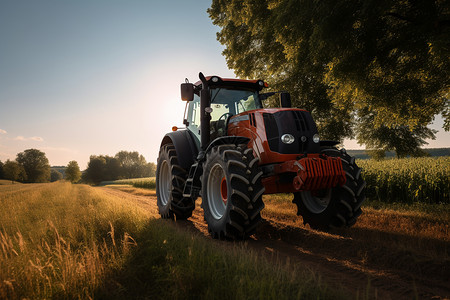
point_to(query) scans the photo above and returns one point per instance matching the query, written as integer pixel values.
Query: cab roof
(216, 81)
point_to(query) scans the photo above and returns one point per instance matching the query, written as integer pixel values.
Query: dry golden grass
(414, 224)
(8, 182)
(132, 190)
(414, 240)
(60, 240)
(432, 222)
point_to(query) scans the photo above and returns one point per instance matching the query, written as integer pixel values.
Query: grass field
(8, 182)
(60, 240)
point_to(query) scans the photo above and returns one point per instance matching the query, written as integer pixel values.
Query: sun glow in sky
(81, 78)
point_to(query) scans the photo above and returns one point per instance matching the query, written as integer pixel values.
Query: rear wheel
(232, 192)
(336, 207)
(170, 180)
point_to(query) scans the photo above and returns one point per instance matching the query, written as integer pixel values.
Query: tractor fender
(184, 146)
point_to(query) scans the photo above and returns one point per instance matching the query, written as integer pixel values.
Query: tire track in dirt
(338, 258)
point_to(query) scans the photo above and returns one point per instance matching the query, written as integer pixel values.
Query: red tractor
(233, 151)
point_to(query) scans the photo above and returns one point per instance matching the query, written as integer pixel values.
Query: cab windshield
(225, 103)
(233, 102)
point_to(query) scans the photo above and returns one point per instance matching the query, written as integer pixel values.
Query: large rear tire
(170, 180)
(335, 207)
(232, 192)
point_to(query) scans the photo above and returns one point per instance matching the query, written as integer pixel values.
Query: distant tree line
(32, 166)
(123, 165)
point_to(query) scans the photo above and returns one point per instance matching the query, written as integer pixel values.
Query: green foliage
(35, 164)
(14, 171)
(73, 173)
(95, 169)
(55, 175)
(402, 139)
(364, 65)
(2, 174)
(132, 164)
(113, 170)
(408, 180)
(377, 154)
(124, 165)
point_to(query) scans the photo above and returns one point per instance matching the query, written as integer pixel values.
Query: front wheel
(232, 192)
(335, 207)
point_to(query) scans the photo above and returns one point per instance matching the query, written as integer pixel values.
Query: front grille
(271, 126)
(300, 122)
(295, 122)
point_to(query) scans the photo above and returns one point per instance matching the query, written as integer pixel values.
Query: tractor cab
(225, 103)
(227, 98)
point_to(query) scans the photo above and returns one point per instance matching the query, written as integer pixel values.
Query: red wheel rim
(224, 190)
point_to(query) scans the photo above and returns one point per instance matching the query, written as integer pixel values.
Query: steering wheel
(225, 117)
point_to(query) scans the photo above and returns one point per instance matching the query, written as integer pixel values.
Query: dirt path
(363, 260)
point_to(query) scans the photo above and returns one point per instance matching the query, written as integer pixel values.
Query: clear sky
(95, 77)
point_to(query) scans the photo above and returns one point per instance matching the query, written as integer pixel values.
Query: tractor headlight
(287, 138)
(316, 138)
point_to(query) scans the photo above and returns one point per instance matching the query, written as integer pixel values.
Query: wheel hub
(217, 191)
(164, 183)
(224, 190)
(316, 201)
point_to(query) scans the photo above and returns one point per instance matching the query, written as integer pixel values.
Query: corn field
(408, 180)
(144, 183)
(405, 180)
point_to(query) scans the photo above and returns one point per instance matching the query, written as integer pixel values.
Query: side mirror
(285, 99)
(187, 91)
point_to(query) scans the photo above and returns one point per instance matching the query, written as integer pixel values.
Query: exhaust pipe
(205, 117)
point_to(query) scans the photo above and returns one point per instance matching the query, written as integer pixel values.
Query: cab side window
(194, 116)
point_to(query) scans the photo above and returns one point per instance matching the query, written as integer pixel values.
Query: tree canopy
(362, 68)
(124, 164)
(2, 175)
(36, 165)
(55, 175)
(73, 173)
(95, 170)
(14, 171)
(132, 163)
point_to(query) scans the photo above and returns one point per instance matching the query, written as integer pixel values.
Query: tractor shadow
(425, 259)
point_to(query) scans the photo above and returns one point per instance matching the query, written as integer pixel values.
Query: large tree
(55, 175)
(132, 163)
(73, 173)
(35, 164)
(14, 171)
(2, 175)
(96, 169)
(346, 60)
(113, 170)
